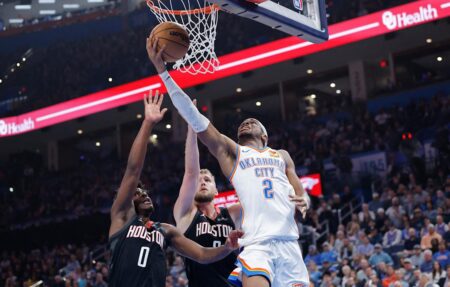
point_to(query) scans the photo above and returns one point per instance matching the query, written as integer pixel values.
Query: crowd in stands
(399, 236)
(69, 265)
(69, 69)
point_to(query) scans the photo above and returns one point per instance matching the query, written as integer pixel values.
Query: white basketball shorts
(279, 261)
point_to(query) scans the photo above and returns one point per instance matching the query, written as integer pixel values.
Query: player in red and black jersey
(199, 220)
(137, 243)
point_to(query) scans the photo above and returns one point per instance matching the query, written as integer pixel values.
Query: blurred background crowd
(388, 228)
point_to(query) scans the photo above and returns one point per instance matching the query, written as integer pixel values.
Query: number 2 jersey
(138, 257)
(263, 188)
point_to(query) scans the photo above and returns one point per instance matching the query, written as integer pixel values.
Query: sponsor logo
(273, 153)
(246, 150)
(15, 128)
(298, 285)
(393, 21)
(309, 183)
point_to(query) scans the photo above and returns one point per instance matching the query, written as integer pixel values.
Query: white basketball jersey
(263, 188)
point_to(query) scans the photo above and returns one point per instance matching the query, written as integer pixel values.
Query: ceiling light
(155, 136)
(47, 12)
(24, 59)
(238, 110)
(18, 64)
(429, 40)
(338, 91)
(139, 116)
(313, 96)
(238, 90)
(11, 189)
(46, 1)
(439, 59)
(71, 6)
(168, 126)
(12, 69)
(1, 81)
(110, 79)
(97, 144)
(333, 85)
(309, 71)
(258, 104)
(15, 21)
(22, 7)
(80, 132)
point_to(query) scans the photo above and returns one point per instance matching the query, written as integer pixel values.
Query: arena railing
(348, 209)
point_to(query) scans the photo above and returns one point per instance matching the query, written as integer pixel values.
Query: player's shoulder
(284, 155)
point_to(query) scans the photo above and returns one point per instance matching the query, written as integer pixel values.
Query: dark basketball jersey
(210, 233)
(138, 257)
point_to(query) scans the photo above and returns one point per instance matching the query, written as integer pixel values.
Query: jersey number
(268, 191)
(143, 256)
(217, 243)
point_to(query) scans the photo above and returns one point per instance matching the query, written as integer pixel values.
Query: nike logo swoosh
(247, 150)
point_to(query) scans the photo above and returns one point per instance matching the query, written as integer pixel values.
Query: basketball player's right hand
(153, 112)
(232, 240)
(156, 56)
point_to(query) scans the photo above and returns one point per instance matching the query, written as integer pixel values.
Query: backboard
(302, 18)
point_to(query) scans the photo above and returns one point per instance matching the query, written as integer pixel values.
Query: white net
(199, 18)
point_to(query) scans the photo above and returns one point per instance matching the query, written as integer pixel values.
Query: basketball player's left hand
(232, 240)
(301, 203)
(153, 112)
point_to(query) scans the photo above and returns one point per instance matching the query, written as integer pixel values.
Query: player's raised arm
(222, 147)
(122, 206)
(196, 252)
(301, 198)
(185, 202)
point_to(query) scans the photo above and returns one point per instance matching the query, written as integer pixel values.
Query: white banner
(371, 162)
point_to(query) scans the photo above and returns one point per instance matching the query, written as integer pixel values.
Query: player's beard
(245, 137)
(203, 198)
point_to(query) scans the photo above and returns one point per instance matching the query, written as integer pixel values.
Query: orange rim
(204, 10)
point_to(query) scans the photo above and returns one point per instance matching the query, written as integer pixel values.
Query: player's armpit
(222, 147)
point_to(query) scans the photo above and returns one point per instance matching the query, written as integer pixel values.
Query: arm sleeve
(184, 105)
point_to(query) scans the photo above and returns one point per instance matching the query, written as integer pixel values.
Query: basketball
(174, 37)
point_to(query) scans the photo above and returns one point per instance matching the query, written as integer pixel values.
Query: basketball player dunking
(137, 243)
(268, 189)
(199, 220)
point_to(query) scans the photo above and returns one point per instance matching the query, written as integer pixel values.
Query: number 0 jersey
(263, 188)
(138, 257)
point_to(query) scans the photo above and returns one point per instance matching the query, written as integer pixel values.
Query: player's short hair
(207, 171)
(140, 188)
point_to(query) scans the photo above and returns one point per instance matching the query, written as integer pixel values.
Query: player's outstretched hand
(153, 112)
(232, 240)
(301, 203)
(156, 56)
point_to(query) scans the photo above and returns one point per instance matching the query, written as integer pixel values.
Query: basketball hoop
(199, 18)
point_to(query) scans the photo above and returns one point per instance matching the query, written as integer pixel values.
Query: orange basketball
(174, 36)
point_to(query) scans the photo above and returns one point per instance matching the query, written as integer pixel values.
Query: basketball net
(199, 18)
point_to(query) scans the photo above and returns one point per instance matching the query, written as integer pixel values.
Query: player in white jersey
(267, 186)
